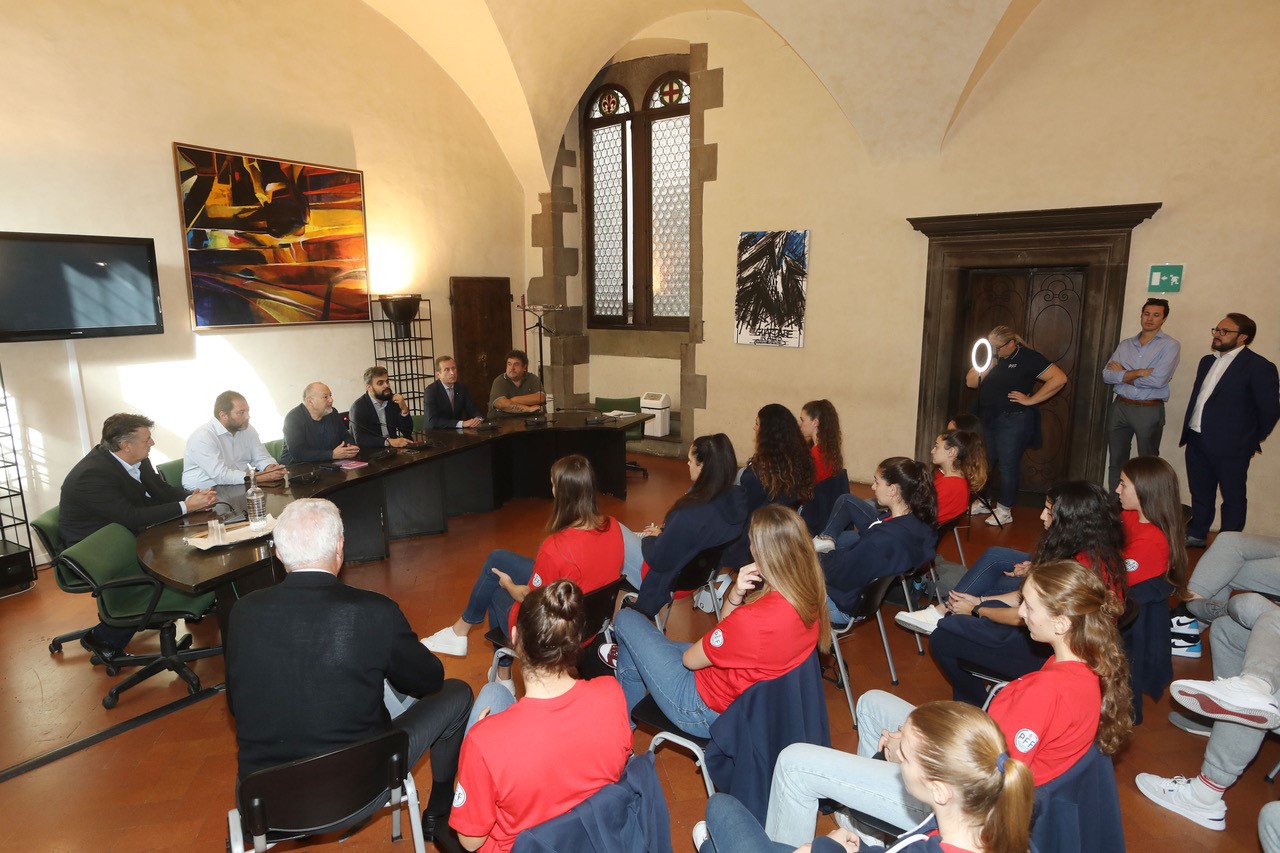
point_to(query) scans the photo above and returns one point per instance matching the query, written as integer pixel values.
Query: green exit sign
(1165, 278)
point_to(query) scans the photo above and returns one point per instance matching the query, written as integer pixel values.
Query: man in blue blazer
(1234, 405)
(449, 403)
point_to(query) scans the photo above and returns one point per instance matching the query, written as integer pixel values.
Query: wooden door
(1046, 307)
(481, 331)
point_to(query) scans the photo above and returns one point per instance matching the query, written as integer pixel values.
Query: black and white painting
(773, 272)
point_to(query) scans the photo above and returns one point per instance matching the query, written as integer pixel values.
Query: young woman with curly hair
(1050, 717)
(781, 469)
(1082, 523)
(960, 461)
(820, 426)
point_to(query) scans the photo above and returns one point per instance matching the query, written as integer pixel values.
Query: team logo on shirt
(459, 797)
(1025, 740)
(717, 638)
(1130, 565)
(536, 580)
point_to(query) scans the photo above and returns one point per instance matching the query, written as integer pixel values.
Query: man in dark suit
(378, 416)
(1234, 405)
(307, 660)
(116, 483)
(449, 403)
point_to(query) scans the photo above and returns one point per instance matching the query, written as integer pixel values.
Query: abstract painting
(271, 241)
(773, 271)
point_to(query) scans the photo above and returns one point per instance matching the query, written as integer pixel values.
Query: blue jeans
(488, 596)
(493, 696)
(846, 511)
(987, 575)
(650, 663)
(838, 617)
(733, 829)
(1008, 435)
(632, 558)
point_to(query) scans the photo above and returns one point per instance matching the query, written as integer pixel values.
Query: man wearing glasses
(1234, 405)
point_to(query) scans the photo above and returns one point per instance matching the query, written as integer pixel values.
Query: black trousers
(1006, 650)
(437, 722)
(1207, 474)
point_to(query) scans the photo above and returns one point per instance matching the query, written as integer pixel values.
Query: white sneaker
(1184, 625)
(608, 653)
(1189, 725)
(824, 544)
(492, 678)
(700, 834)
(445, 642)
(1236, 700)
(1175, 795)
(922, 621)
(1185, 646)
(1000, 516)
(978, 508)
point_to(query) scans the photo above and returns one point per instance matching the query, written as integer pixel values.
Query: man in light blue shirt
(1139, 373)
(219, 451)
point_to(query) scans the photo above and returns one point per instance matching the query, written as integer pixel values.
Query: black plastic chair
(634, 433)
(327, 793)
(868, 605)
(46, 530)
(697, 574)
(597, 608)
(107, 561)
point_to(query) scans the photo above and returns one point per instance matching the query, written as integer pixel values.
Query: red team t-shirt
(756, 642)
(514, 771)
(1146, 551)
(589, 558)
(953, 495)
(1050, 717)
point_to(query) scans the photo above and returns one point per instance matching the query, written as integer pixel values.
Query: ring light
(978, 346)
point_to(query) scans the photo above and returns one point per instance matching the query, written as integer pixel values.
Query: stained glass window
(638, 204)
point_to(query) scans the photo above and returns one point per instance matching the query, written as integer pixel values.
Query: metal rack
(17, 565)
(408, 358)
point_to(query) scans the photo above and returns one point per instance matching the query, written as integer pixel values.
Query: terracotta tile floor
(167, 785)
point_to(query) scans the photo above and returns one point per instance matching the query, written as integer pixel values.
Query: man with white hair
(307, 658)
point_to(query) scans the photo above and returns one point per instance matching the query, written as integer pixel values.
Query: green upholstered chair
(419, 424)
(171, 471)
(107, 561)
(275, 447)
(45, 527)
(635, 433)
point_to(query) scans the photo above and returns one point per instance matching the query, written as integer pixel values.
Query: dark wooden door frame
(1096, 238)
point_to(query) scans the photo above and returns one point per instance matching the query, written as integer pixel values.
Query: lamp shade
(400, 309)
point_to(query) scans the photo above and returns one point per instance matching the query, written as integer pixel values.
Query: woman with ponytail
(901, 540)
(955, 759)
(514, 771)
(1050, 717)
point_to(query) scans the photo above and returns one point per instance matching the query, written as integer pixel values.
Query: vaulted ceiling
(900, 71)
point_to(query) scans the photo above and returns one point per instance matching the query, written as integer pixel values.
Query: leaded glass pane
(670, 165)
(610, 103)
(669, 94)
(607, 201)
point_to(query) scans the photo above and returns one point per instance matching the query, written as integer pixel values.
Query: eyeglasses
(1218, 331)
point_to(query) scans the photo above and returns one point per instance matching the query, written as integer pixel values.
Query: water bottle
(255, 501)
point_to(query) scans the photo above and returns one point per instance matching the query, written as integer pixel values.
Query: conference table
(399, 493)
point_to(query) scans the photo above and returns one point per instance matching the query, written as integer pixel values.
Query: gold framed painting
(271, 242)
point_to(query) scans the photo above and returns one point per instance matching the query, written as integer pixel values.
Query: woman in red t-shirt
(961, 461)
(514, 771)
(1155, 530)
(583, 545)
(820, 426)
(771, 621)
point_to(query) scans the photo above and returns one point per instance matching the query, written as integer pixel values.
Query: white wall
(95, 95)
(1095, 102)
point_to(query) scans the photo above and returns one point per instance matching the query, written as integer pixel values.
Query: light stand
(538, 311)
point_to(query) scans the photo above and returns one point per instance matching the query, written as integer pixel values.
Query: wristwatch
(974, 612)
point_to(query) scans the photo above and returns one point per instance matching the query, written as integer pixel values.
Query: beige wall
(1098, 102)
(96, 95)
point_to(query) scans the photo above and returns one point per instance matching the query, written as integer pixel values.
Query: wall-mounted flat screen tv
(57, 286)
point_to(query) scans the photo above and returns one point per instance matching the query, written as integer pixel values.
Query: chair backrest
(872, 597)
(318, 793)
(623, 404)
(597, 606)
(171, 471)
(275, 447)
(698, 571)
(45, 526)
(109, 554)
